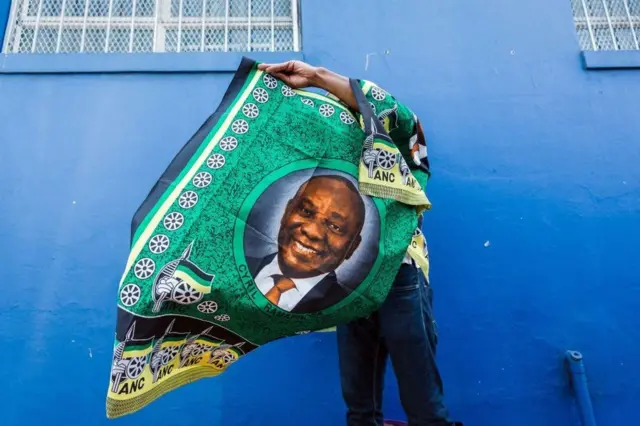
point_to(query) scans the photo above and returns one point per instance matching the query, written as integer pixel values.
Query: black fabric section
(148, 328)
(422, 138)
(363, 105)
(188, 150)
(367, 113)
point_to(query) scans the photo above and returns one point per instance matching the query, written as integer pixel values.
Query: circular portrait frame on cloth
(259, 224)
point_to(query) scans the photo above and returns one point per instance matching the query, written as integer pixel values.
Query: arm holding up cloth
(403, 328)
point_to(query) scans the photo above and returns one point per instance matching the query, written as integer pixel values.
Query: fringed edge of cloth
(419, 200)
(118, 408)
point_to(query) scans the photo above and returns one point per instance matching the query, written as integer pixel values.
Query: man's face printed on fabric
(320, 227)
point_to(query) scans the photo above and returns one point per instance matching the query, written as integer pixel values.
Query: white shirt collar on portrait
(288, 299)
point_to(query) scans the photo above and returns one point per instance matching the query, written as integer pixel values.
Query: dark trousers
(404, 330)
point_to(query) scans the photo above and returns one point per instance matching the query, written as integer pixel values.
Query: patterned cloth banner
(259, 229)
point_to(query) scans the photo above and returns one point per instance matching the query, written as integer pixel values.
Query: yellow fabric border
(367, 86)
(421, 202)
(118, 408)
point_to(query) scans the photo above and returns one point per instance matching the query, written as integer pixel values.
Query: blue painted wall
(534, 232)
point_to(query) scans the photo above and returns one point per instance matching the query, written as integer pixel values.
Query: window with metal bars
(134, 26)
(607, 24)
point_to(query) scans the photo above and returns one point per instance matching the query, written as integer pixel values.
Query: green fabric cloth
(266, 188)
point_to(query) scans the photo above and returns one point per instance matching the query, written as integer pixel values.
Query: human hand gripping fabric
(295, 74)
(298, 75)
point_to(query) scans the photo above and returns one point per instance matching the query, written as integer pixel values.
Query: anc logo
(181, 281)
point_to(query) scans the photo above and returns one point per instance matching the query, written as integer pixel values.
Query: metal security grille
(607, 24)
(57, 26)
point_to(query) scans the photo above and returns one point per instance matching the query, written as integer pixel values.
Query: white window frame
(607, 22)
(159, 23)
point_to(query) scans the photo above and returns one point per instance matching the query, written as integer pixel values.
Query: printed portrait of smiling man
(319, 230)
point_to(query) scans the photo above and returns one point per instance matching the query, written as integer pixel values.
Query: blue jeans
(404, 330)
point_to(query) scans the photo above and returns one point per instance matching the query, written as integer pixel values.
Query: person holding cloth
(403, 328)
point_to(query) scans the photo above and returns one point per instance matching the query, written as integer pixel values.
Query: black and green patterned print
(269, 183)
